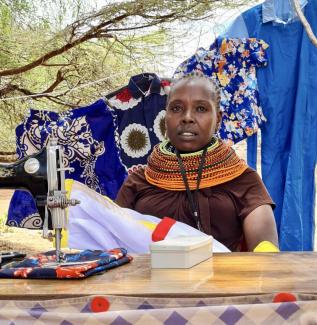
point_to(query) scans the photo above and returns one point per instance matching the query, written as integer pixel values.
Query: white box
(180, 252)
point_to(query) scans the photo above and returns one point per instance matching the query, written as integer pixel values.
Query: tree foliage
(51, 49)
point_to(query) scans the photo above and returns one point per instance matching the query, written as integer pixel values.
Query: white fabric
(98, 223)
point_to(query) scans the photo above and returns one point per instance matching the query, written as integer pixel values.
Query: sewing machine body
(43, 175)
(34, 180)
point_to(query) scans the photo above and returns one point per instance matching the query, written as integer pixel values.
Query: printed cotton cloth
(232, 64)
(83, 264)
(86, 135)
(87, 138)
(139, 110)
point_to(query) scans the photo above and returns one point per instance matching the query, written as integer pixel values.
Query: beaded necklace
(221, 165)
(193, 198)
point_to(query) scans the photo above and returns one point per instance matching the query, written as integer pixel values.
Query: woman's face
(192, 115)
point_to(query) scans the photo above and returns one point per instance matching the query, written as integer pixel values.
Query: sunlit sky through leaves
(189, 37)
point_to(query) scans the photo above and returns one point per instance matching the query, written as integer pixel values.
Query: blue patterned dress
(139, 111)
(86, 135)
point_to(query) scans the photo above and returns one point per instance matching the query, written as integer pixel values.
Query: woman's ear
(219, 117)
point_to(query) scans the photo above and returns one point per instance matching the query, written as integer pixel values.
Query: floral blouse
(232, 64)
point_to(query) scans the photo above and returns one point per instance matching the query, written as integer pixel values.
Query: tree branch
(47, 56)
(305, 23)
(59, 101)
(55, 64)
(11, 87)
(92, 33)
(102, 30)
(58, 80)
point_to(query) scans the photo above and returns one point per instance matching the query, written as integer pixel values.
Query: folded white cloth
(99, 223)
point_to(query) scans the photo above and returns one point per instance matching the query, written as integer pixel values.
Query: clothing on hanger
(274, 11)
(280, 11)
(138, 111)
(86, 135)
(117, 91)
(289, 138)
(232, 64)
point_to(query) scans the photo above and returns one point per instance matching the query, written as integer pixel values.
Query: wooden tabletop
(221, 275)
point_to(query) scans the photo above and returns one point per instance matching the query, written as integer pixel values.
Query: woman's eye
(201, 109)
(175, 108)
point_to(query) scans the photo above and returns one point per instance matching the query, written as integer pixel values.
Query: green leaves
(48, 48)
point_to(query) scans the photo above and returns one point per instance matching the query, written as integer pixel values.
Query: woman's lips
(187, 134)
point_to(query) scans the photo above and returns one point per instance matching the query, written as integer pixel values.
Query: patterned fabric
(246, 310)
(81, 265)
(23, 212)
(87, 137)
(221, 165)
(232, 64)
(139, 111)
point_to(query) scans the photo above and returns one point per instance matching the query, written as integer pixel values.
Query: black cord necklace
(193, 200)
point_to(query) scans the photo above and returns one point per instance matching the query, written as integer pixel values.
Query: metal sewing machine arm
(43, 175)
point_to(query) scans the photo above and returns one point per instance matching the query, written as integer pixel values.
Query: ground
(22, 240)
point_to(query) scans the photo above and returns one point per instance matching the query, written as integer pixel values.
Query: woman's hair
(215, 90)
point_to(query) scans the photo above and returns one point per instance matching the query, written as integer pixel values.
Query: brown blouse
(222, 208)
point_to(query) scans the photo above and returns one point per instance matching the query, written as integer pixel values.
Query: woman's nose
(188, 116)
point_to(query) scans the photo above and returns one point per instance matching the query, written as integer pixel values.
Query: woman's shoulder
(249, 186)
(136, 180)
(133, 184)
(249, 176)
(137, 175)
(248, 181)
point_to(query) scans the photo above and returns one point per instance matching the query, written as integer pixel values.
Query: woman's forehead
(201, 87)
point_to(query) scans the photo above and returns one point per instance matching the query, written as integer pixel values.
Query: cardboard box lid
(182, 243)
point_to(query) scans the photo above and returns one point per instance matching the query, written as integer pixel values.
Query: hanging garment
(86, 135)
(287, 93)
(139, 111)
(232, 64)
(76, 265)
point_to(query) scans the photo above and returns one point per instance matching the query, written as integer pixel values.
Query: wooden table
(222, 275)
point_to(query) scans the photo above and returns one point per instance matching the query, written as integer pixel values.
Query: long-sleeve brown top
(222, 208)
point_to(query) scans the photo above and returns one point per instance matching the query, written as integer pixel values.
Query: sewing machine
(43, 175)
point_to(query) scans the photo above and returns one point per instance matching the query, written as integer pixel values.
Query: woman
(197, 179)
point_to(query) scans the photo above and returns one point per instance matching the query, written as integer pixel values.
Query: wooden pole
(305, 23)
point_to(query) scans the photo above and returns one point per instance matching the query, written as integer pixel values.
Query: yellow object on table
(266, 247)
